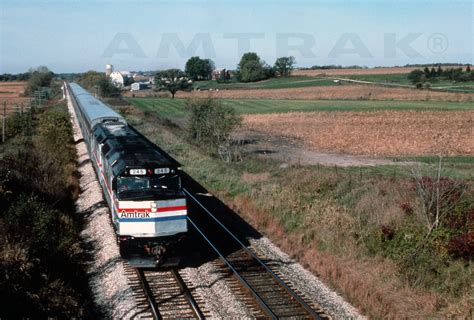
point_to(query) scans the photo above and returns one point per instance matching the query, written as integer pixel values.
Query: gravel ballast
(111, 291)
(312, 288)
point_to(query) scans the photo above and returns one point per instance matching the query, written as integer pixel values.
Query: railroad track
(272, 296)
(163, 294)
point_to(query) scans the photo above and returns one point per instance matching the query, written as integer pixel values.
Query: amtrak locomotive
(141, 183)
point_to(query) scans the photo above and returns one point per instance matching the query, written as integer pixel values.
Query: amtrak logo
(135, 214)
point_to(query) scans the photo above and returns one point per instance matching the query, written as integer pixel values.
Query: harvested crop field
(343, 92)
(11, 94)
(384, 133)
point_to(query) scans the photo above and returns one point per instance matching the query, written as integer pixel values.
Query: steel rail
(184, 289)
(146, 289)
(289, 291)
(257, 297)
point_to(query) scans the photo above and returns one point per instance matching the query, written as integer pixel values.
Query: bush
(39, 78)
(41, 259)
(41, 243)
(210, 123)
(17, 125)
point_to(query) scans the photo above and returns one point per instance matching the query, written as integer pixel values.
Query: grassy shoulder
(359, 230)
(42, 267)
(175, 108)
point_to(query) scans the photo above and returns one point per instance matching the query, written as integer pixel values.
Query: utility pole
(4, 120)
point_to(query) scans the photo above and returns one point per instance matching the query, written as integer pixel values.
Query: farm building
(120, 78)
(143, 78)
(221, 74)
(137, 86)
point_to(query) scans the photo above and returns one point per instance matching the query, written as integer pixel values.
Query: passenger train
(140, 182)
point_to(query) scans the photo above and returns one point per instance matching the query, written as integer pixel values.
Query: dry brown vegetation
(388, 133)
(372, 283)
(343, 92)
(329, 222)
(11, 94)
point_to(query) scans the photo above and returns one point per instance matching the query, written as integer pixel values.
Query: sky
(76, 36)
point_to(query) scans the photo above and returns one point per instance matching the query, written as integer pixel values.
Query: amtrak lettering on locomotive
(141, 184)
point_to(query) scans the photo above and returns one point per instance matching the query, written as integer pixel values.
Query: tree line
(418, 76)
(251, 68)
(14, 77)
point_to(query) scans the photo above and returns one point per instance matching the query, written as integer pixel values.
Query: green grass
(336, 211)
(402, 79)
(434, 159)
(273, 83)
(174, 108)
(382, 78)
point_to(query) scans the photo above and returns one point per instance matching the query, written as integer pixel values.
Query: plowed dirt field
(10, 93)
(385, 133)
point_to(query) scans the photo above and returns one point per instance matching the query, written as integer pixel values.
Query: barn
(120, 78)
(137, 86)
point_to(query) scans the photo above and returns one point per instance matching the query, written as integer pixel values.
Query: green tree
(426, 70)
(211, 123)
(468, 68)
(38, 78)
(284, 65)
(107, 89)
(97, 82)
(90, 79)
(199, 69)
(251, 68)
(172, 80)
(439, 72)
(416, 76)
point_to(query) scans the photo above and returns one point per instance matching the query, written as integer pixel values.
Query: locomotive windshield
(163, 183)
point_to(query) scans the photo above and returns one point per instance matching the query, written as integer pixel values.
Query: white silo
(108, 70)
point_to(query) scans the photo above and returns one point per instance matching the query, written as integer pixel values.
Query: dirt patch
(385, 133)
(255, 177)
(344, 92)
(294, 151)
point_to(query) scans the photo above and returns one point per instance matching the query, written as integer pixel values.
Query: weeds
(42, 261)
(210, 124)
(354, 233)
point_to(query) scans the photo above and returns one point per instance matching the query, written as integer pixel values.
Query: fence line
(12, 109)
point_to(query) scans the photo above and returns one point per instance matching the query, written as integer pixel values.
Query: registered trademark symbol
(437, 43)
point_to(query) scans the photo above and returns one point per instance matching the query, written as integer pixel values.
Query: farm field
(397, 78)
(174, 108)
(368, 71)
(401, 79)
(381, 133)
(273, 83)
(336, 92)
(10, 93)
(310, 202)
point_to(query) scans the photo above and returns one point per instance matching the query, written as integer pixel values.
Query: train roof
(94, 110)
(126, 148)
